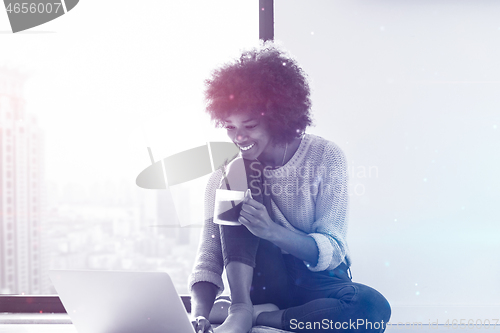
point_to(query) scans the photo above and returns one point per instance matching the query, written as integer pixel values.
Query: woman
(291, 249)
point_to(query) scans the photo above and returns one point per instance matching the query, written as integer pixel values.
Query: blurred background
(409, 91)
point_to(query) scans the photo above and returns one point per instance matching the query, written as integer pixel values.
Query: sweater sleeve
(209, 263)
(330, 225)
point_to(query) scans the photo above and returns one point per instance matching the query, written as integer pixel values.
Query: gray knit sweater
(308, 196)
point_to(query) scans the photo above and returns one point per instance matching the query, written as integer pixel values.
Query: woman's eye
(230, 127)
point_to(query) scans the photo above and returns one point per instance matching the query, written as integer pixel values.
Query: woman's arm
(255, 217)
(324, 246)
(202, 298)
(301, 246)
(205, 281)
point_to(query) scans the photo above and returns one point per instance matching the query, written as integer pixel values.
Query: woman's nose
(240, 136)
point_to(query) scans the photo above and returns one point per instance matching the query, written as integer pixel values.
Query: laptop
(121, 302)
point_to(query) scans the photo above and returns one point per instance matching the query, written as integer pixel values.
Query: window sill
(40, 314)
(46, 304)
(34, 318)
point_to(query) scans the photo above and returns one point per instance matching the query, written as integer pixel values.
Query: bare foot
(258, 309)
(219, 311)
(239, 319)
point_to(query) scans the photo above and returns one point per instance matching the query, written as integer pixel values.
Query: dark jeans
(324, 301)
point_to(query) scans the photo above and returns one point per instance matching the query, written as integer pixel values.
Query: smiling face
(251, 135)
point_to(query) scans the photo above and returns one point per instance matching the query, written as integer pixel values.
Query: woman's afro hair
(265, 82)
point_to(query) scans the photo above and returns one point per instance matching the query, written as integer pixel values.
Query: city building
(22, 199)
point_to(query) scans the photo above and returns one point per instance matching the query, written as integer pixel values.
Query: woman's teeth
(247, 147)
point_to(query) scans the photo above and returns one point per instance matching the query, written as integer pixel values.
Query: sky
(107, 80)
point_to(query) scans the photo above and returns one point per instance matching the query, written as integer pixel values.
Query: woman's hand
(255, 217)
(202, 325)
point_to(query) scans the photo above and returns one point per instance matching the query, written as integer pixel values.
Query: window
(86, 147)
